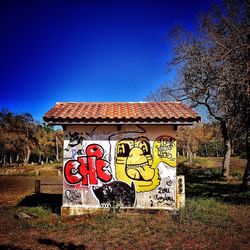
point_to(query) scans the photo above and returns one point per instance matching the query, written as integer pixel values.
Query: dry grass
(216, 216)
(203, 224)
(32, 170)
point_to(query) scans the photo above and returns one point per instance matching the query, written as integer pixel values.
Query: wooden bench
(38, 185)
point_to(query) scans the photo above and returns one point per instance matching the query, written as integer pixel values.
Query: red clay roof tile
(145, 112)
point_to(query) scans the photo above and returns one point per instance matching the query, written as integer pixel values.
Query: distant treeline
(22, 140)
(207, 140)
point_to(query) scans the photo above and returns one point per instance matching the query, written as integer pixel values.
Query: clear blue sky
(89, 50)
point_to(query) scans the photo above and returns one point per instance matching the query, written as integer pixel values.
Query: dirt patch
(13, 189)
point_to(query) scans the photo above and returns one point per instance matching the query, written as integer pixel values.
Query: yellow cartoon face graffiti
(134, 164)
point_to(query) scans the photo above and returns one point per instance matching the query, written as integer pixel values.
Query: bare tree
(211, 66)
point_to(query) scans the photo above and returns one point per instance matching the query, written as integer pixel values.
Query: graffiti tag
(165, 147)
(72, 196)
(74, 140)
(88, 169)
(169, 182)
(74, 147)
(164, 199)
(164, 196)
(163, 190)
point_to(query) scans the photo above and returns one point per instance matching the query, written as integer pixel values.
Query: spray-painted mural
(134, 163)
(88, 169)
(116, 193)
(132, 166)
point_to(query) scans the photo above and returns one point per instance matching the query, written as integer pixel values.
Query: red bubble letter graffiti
(88, 169)
(71, 172)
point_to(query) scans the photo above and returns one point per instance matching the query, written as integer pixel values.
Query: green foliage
(204, 139)
(38, 211)
(211, 148)
(41, 218)
(207, 211)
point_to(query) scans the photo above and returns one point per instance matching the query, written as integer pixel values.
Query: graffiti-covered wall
(125, 166)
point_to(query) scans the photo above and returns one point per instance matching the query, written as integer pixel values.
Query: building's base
(76, 211)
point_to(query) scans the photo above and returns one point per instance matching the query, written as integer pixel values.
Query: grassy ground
(32, 170)
(216, 216)
(203, 180)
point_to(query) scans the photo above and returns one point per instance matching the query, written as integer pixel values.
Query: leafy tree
(187, 142)
(20, 137)
(49, 143)
(203, 139)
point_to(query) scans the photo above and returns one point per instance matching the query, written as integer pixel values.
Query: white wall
(127, 166)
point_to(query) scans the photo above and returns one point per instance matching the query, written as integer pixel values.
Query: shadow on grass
(10, 247)
(60, 245)
(207, 183)
(52, 202)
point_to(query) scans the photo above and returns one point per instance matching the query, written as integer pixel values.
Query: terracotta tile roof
(120, 112)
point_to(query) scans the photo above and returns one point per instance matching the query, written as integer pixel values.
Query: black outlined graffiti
(169, 182)
(72, 196)
(164, 199)
(93, 131)
(164, 196)
(163, 190)
(74, 140)
(74, 147)
(139, 130)
(151, 201)
(164, 147)
(116, 193)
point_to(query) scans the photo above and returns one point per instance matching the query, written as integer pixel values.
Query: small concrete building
(120, 154)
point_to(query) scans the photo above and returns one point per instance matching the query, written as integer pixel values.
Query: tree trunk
(190, 156)
(246, 177)
(40, 158)
(27, 158)
(189, 153)
(232, 148)
(205, 149)
(17, 159)
(4, 160)
(57, 151)
(47, 159)
(227, 151)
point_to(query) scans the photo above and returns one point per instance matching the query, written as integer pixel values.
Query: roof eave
(183, 122)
